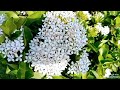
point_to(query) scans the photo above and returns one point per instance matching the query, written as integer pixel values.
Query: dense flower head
(63, 36)
(80, 66)
(12, 49)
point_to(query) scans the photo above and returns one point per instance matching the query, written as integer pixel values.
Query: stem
(84, 75)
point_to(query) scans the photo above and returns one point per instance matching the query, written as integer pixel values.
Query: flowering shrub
(59, 44)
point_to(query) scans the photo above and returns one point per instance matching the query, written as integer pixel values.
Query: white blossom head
(80, 66)
(12, 49)
(63, 36)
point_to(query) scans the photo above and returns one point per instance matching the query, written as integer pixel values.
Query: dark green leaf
(21, 70)
(15, 35)
(29, 72)
(93, 47)
(106, 60)
(27, 35)
(13, 66)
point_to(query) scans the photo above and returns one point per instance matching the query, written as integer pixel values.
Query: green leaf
(27, 35)
(109, 56)
(117, 19)
(114, 13)
(102, 43)
(15, 35)
(114, 68)
(30, 12)
(104, 50)
(37, 75)
(8, 27)
(13, 66)
(93, 47)
(100, 70)
(33, 17)
(7, 70)
(96, 74)
(29, 73)
(2, 38)
(24, 71)
(12, 14)
(90, 77)
(21, 70)
(21, 21)
(59, 77)
(106, 60)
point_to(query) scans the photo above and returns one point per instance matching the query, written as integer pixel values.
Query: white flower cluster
(63, 36)
(107, 73)
(12, 50)
(80, 66)
(87, 14)
(104, 30)
(2, 19)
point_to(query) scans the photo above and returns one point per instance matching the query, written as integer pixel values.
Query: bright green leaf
(114, 68)
(12, 14)
(37, 75)
(117, 21)
(59, 77)
(96, 74)
(100, 70)
(2, 38)
(9, 26)
(7, 70)
(104, 50)
(33, 17)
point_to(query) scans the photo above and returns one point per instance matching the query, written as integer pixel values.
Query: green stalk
(84, 75)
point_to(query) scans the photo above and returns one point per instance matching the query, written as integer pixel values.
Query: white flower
(12, 50)
(63, 36)
(104, 30)
(2, 19)
(118, 42)
(80, 66)
(107, 73)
